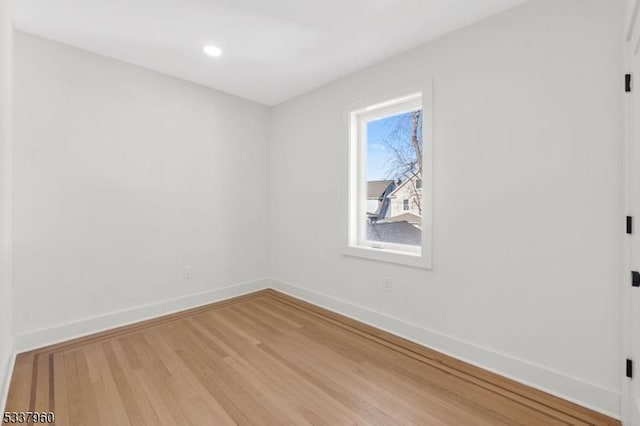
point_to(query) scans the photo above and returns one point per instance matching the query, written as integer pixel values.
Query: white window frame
(357, 245)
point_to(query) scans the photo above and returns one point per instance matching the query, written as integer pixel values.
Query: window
(389, 216)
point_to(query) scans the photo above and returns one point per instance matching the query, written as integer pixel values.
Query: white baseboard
(606, 401)
(595, 397)
(7, 362)
(62, 332)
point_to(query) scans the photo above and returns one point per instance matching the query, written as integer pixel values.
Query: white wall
(527, 201)
(122, 177)
(6, 339)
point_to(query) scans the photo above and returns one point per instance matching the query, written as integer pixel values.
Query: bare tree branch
(405, 143)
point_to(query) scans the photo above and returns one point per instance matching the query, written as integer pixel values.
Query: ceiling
(273, 50)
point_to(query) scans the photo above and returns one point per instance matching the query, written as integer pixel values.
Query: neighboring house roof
(416, 175)
(377, 188)
(405, 217)
(394, 232)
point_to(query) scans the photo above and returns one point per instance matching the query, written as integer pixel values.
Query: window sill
(389, 256)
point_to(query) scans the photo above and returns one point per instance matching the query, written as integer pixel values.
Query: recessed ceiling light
(212, 50)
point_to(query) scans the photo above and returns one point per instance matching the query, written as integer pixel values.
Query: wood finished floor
(269, 359)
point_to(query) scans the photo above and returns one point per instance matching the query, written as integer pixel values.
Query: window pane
(394, 179)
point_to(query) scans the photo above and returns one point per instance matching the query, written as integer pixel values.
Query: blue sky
(377, 151)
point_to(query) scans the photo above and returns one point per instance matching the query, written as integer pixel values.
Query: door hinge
(628, 83)
(629, 224)
(629, 372)
(635, 279)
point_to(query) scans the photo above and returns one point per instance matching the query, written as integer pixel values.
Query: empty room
(338, 212)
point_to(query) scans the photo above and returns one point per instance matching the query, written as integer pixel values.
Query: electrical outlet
(387, 284)
(188, 272)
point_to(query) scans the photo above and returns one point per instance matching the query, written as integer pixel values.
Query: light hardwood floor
(269, 359)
